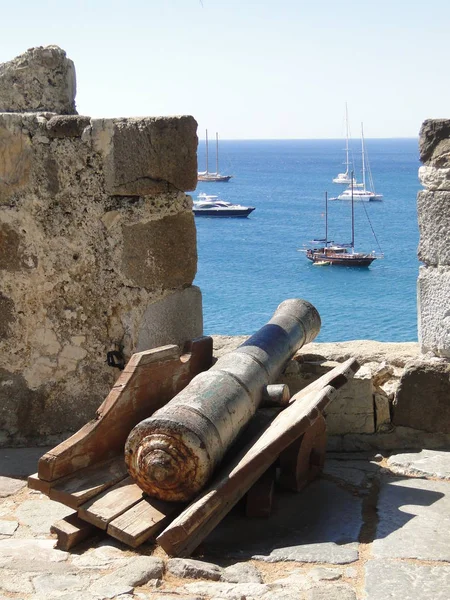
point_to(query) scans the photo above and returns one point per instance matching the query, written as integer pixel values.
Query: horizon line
(308, 139)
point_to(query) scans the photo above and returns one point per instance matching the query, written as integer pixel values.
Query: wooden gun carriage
(179, 441)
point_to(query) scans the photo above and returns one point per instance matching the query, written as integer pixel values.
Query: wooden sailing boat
(340, 254)
(206, 175)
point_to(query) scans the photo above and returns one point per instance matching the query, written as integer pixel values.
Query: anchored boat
(329, 253)
(365, 191)
(212, 206)
(206, 175)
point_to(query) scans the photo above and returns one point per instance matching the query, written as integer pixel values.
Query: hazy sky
(247, 69)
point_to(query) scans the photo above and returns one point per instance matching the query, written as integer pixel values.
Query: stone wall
(97, 247)
(434, 248)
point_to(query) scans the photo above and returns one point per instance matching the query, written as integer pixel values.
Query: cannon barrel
(173, 453)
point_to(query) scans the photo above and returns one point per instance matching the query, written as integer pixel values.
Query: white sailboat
(359, 191)
(344, 178)
(207, 175)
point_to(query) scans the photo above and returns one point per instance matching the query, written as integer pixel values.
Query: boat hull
(216, 178)
(360, 198)
(223, 212)
(343, 259)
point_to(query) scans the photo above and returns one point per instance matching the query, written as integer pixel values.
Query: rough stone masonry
(433, 204)
(97, 246)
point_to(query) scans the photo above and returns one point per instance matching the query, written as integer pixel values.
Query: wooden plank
(78, 488)
(149, 380)
(71, 531)
(337, 377)
(303, 460)
(34, 483)
(111, 503)
(188, 530)
(143, 521)
(259, 497)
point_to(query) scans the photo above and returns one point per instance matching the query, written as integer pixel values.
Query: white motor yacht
(211, 206)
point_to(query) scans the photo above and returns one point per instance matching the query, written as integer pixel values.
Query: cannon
(172, 454)
(169, 420)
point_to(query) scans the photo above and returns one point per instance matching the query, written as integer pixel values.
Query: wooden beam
(143, 521)
(190, 528)
(258, 502)
(71, 531)
(149, 380)
(337, 377)
(78, 488)
(111, 503)
(303, 460)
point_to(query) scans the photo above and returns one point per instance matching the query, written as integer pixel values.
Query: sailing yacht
(344, 255)
(206, 175)
(359, 191)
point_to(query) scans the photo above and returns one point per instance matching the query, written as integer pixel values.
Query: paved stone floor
(373, 527)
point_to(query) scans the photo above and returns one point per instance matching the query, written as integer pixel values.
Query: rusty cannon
(171, 417)
(173, 453)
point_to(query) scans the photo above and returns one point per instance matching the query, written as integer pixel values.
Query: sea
(248, 266)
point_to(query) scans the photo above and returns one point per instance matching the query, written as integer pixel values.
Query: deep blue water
(246, 267)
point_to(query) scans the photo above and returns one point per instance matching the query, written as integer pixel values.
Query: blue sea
(246, 267)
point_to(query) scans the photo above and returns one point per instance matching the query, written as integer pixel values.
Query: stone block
(422, 400)
(434, 225)
(161, 253)
(15, 156)
(382, 411)
(145, 156)
(62, 126)
(433, 293)
(41, 79)
(434, 142)
(435, 179)
(352, 411)
(172, 320)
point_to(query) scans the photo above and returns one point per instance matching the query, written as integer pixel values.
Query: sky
(268, 69)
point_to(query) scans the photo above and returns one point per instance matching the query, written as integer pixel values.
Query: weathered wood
(78, 488)
(188, 530)
(337, 377)
(71, 531)
(149, 380)
(303, 460)
(34, 483)
(258, 502)
(143, 521)
(111, 503)
(173, 453)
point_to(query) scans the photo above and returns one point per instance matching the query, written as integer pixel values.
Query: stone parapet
(97, 253)
(146, 155)
(433, 293)
(433, 205)
(397, 399)
(41, 79)
(434, 225)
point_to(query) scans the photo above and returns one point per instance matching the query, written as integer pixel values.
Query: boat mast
(353, 219)
(346, 140)
(217, 153)
(326, 219)
(363, 159)
(206, 138)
